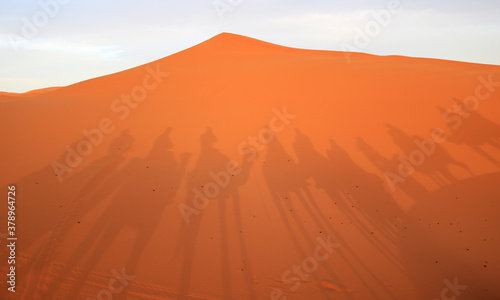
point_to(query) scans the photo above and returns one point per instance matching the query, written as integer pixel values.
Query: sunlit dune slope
(291, 149)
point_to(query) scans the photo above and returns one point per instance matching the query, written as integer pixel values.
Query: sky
(45, 43)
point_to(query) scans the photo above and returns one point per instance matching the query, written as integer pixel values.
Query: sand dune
(6, 95)
(219, 171)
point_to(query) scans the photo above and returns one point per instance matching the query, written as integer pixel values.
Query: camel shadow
(142, 189)
(214, 180)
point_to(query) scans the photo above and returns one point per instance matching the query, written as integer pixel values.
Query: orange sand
(323, 174)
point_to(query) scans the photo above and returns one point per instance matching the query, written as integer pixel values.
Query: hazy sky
(47, 43)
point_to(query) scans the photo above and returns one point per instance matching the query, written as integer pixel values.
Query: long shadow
(366, 192)
(46, 184)
(285, 178)
(474, 130)
(434, 263)
(435, 165)
(212, 160)
(349, 186)
(96, 175)
(144, 187)
(410, 186)
(237, 181)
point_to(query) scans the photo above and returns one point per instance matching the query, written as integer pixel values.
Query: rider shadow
(474, 130)
(366, 191)
(287, 181)
(204, 187)
(433, 160)
(349, 186)
(144, 187)
(96, 175)
(67, 185)
(389, 167)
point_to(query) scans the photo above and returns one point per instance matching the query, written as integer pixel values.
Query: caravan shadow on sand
(212, 159)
